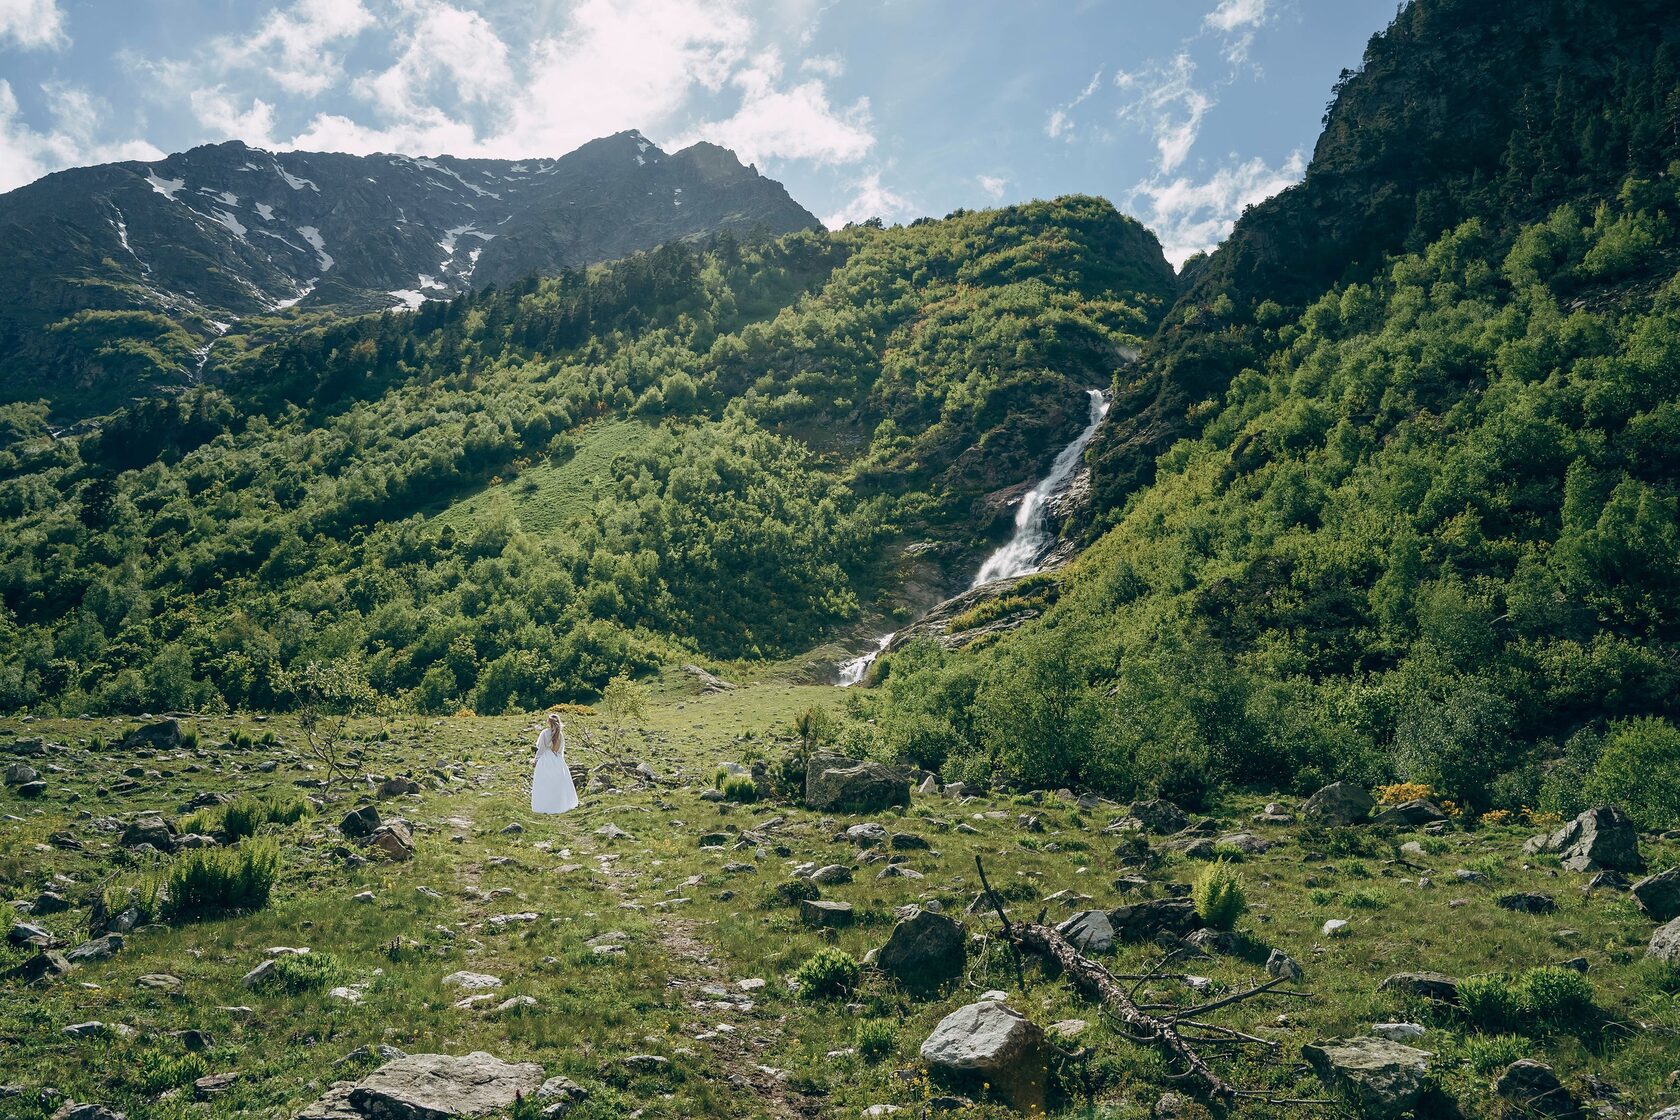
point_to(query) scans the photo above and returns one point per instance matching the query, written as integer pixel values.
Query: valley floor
(651, 944)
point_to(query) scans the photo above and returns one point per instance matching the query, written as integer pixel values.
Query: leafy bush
(246, 815)
(1490, 1002)
(740, 788)
(876, 1038)
(828, 972)
(158, 1071)
(1365, 898)
(1218, 895)
(1556, 998)
(208, 882)
(1639, 770)
(1487, 1054)
(304, 972)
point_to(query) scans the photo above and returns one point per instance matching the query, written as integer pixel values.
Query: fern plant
(1218, 895)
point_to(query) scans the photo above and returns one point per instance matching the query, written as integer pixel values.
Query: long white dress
(551, 782)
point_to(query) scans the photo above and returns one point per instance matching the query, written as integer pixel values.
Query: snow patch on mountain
(233, 224)
(265, 211)
(297, 183)
(166, 187)
(313, 236)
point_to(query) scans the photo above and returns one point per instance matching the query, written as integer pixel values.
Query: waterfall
(852, 671)
(1032, 539)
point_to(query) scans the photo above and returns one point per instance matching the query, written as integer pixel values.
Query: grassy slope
(592, 1010)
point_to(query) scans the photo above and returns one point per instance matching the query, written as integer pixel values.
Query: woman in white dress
(551, 783)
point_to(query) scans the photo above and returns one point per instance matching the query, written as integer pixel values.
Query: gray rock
(1658, 896)
(443, 1087)
(18, 774)
(1410, 814)
(160, 982)
(1145, 921)
(1600, 839)
(836, 783)
(97, 949)
(866, 835)
(397, 787)
(149, 829)
(70, 1110)
(28, 933)
(213, 1085)
(817, 912)
(1158, 816)
(1665, 942)
(44, 967)
(1338, 803)
(164, 734)
(1245, 842)
(32, 790)
(1527, 902)
(832, 873)
(1090, 931)
(993, 1043)
(1422, 985)
(391, 841)
(1284, 965)
(924, 951)
(359, 822)
(1534, 1090)
(1383, 1079)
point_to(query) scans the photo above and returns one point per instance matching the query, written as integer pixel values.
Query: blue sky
(1181, 111)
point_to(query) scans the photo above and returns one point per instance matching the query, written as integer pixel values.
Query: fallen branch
(1138, 1024)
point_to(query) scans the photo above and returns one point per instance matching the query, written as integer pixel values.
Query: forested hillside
(713, 447)
(1424, 525)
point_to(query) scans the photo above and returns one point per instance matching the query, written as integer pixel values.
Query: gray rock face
(847, 785)
(1658, 896)
(1383, 1079)
(1158, 816)
(1600, 839)
(924, 951)
(1424, 985)
(1410, 814)
(991, 1042)
(816, 912)
(1665, 942)
(1090, 931)
(1145, 921)
(1338, 803)
(1534, 1090)
(432, 1087)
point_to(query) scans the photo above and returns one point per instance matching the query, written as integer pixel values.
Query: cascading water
(852, 671)
(1033, 539)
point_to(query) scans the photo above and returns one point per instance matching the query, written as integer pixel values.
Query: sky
(1182, 112)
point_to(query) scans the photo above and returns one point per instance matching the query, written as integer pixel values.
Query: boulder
(165, 734)
(1532, 1089)
(1600, 839)
(1665, 942)
(1158, 816)
(1090, 931)
(1422, 985)
(866, 835)
(44, 967)
(1283, 965)
(149, 829)
(18, 774)
(70, 1110)
(1145, 921)
(1658, 896)
(834, 915)
(359, 822)
(847, 785)
(1527, 902)
(1338, 803)
(1383, 1079)
(160, 982)
(1410, 814)
(98, 949)
(924, 951)
(832, 873)
(442, 1087)
(990, 1042)
(391, 841)
(397, 787)
(32, 790)
(213, 1085)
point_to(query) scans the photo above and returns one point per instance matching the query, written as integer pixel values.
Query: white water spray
(852, 671)
(1033, 539)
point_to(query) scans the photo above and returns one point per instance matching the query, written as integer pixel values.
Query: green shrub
(876, 1038)
(1365, 898)
(246, 815)
(303, 972)
(1639, 771)
(740, 788)
(1218, 895)
(207, 882)
(1487, 1054)
(158, 1072)
(828, 972)
(1553, 998)
(1490, 1002)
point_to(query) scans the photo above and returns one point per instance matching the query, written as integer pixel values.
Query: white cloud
(787, 123)
(991, 184)
(26, 154)
(870, 200)
(218, 112)
(1191, 217)
(449, 51)
(297, 47)
(1168, 104)
(1060, 122)
(1233, 15)
(826, 65)
(32, 24)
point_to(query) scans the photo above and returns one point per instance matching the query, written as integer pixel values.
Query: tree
(622, 701)
(328, 698)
